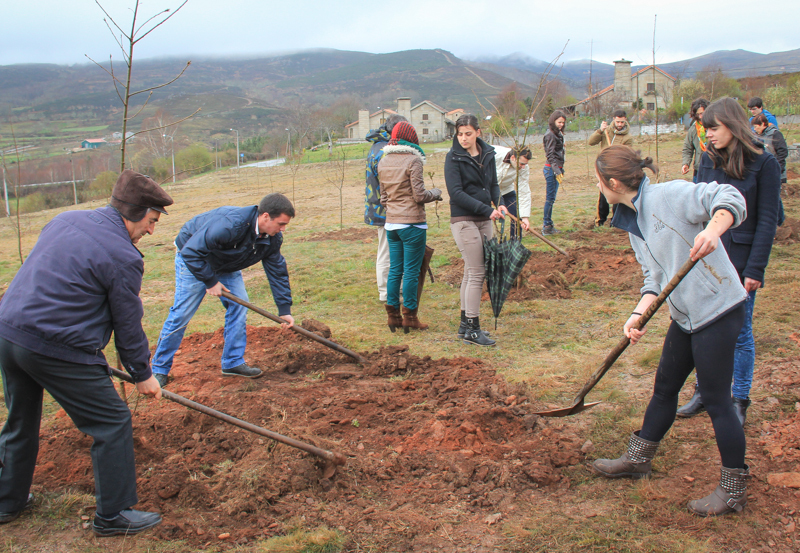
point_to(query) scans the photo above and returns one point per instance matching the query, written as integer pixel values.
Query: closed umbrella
(504, 260)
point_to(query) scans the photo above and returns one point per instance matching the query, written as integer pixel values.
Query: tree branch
(150, 89)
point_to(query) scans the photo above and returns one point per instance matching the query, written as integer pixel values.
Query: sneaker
(162, 379)
(549, 229)
(14, 515)
(128, 522)
(244, 370)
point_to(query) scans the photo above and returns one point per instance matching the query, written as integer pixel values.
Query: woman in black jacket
(733, 156)
(471, 178)
(553, 142)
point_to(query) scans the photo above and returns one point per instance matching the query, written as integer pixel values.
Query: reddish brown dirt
(553, 275)
(788, 232)
(359, 234)
(424, 438)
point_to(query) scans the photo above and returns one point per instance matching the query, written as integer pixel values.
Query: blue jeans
(510, 201)
(406, 250)
(189, 292)
(744, 356)
(550, 195)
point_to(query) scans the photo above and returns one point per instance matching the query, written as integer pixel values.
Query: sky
(65, 32)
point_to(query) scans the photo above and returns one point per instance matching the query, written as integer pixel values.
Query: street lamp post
(288, 141)
(237, 147)
(172, 143)
(74, 187)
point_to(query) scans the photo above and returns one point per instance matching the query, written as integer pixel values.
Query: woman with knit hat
(403, 195)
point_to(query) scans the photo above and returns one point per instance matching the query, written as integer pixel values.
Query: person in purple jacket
(79, 284)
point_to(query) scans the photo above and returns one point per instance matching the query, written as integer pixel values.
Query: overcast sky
(63, 31)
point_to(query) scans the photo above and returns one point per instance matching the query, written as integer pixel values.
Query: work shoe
(462, 327)
(244, 370)
(162, 379)
(730, 496)
(740, 406)
(635, 463)
(394, 320)
(474, 335)
(694, 406)
(14, 515)
(410, 320)
(127, 522)
(549, 229)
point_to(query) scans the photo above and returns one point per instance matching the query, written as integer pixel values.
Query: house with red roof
(433, 123)
(652, 85)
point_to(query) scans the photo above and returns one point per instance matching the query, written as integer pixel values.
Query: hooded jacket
(621, 137)
(554, 150)
(507, 178)
(750, 244)
(79, 284)
(224, 240)
(374, 212)
(776, 145)
(472, 185)
(403, 191)
(667, 218)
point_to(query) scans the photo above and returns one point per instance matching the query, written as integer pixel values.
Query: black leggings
(710, 350)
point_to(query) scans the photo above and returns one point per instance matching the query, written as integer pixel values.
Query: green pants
(406, 250)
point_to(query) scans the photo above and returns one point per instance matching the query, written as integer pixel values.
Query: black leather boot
(462, 328)
(474, 334)
(694, 406)
(740, 406)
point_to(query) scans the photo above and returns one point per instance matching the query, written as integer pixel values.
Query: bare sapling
(127, 40)
(336, 172)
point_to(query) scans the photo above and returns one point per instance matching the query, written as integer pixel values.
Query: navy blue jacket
(80, 282)
(472, 186)
(224, 240)
(750, 244)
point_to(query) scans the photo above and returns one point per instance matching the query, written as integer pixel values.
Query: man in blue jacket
(213, 248)
(756, 106)
(79, 284)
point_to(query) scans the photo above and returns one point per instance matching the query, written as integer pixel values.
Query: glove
(437, 194)
(560, 178)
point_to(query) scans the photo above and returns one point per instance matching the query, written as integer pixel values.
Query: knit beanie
(404, 131)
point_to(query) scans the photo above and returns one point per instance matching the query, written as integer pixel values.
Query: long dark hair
(467, 120)
(551, 122)
(742, 148)
(697, 104)
(624, 164)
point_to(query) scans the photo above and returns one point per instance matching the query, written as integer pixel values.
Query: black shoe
(474, 334)
(694, 407)
(162, 379)
(127, 522)
(244, 370)
(549, 229)
(8, 517)
(740, 406)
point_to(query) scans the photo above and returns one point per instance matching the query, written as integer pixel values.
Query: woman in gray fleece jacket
(669, 222)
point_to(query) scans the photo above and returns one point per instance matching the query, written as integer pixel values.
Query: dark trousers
(711, 350)
(603, 210)
(510, 201)
(88, 396)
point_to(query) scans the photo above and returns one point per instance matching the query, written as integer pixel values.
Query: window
(351, 132)
(424, 116)
(651, 87)
(425, 130)
(650, 106)
(383, 120)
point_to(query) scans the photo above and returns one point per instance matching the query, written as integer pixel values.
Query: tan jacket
(612, 137)
(403, 191)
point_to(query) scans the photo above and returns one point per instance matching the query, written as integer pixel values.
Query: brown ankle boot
(410, 320)
(394, 321)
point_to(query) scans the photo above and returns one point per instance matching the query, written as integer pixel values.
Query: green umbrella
(504, 260)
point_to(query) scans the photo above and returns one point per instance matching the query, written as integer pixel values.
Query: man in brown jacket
(609, 135)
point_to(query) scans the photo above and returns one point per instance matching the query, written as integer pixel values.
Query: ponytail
(625, 165)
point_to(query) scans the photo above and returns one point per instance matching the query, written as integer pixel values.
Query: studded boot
(394, 320)
(730, 496)
(635, 463)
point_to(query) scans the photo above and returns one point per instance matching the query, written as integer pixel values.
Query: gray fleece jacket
(668, 216)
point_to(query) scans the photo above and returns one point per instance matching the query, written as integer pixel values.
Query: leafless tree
(127, 40)
(335, 173)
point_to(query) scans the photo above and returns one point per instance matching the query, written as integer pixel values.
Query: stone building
(650, 84)
(432, 123)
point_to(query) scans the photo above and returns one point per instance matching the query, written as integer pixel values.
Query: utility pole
(237, 147)
(5, 185)
(74, 187)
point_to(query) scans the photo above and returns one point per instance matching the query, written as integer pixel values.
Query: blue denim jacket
(224, 240)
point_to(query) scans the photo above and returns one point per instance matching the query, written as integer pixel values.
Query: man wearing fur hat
(79, 284)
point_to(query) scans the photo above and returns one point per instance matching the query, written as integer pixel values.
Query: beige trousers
(469, 239)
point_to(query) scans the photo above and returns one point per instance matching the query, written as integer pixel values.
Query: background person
(776, 145)
(733, 156)
(374, 212)
(618, 133)
(404, 196)
(695, 142)
(707, 310)
(213, 248)
(507, 164)
(756, 106)
(553, 142)
(471, 177)
(80, 283)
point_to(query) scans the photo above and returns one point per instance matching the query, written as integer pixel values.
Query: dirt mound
(422, 436)
(357, 234)
(788, 232)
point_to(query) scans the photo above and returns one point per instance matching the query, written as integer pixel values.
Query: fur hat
(135, 193)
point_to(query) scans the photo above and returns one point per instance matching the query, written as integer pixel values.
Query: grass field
(551, 344)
